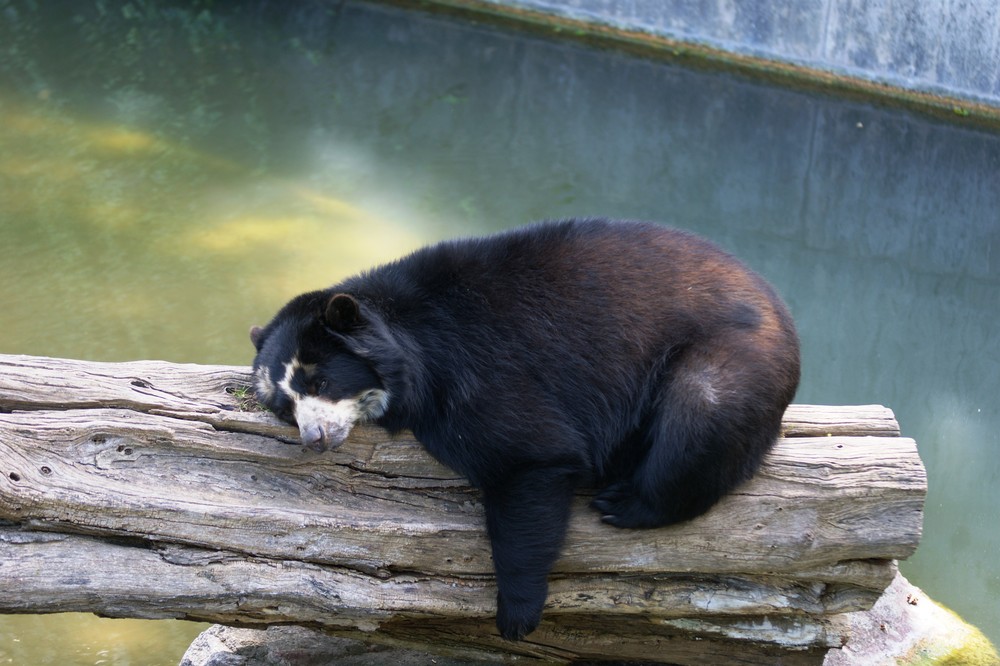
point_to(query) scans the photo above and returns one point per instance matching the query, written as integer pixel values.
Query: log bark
(151, 489)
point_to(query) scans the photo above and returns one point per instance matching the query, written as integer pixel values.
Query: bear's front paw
(515, 620)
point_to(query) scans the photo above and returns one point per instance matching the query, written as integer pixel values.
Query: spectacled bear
(625, 356)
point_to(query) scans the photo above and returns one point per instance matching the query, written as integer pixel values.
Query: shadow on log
(157, 490)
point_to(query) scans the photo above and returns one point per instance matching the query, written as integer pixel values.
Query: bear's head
(311, 369)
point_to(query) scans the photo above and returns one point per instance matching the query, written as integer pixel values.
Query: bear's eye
(320, 385)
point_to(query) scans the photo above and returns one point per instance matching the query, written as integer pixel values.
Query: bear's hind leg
(630, 503)
(526, 517)
(701, 445)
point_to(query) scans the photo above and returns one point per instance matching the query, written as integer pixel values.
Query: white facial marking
(373, 403)
(325, 423)
(290, 369)
(264, 386)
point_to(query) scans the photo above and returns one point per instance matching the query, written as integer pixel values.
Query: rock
(906, 628)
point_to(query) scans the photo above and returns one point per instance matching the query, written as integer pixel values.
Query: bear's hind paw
(621, 506)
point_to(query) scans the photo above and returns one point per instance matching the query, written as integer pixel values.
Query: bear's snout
(324, 425)
(320, 438)
(313, 437)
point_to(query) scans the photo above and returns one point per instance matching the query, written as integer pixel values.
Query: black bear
(624, 356)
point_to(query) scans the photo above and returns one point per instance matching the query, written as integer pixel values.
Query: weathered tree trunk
(156, 490)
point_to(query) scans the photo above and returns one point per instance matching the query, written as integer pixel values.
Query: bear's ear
(255, 333)
(342, 313)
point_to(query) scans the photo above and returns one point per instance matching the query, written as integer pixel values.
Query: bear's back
(591, 280)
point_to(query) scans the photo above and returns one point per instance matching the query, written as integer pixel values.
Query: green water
(170, 173)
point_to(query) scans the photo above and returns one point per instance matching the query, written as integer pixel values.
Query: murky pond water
(170, 173)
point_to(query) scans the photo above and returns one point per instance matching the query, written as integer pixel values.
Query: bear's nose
(312, 436)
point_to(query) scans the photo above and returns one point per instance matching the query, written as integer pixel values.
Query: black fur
(626, 356)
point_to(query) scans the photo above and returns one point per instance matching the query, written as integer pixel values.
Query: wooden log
(152, 489)
(155, 580)
(903, 627)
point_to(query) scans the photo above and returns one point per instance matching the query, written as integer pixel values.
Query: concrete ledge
(932, 56)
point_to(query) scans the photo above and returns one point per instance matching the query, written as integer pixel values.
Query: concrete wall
(945, 47)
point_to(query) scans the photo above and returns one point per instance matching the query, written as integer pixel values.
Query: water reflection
(129, 226)
(171, 174)
(73, 639)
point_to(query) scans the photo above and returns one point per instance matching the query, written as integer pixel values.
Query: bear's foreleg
(526, 518)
